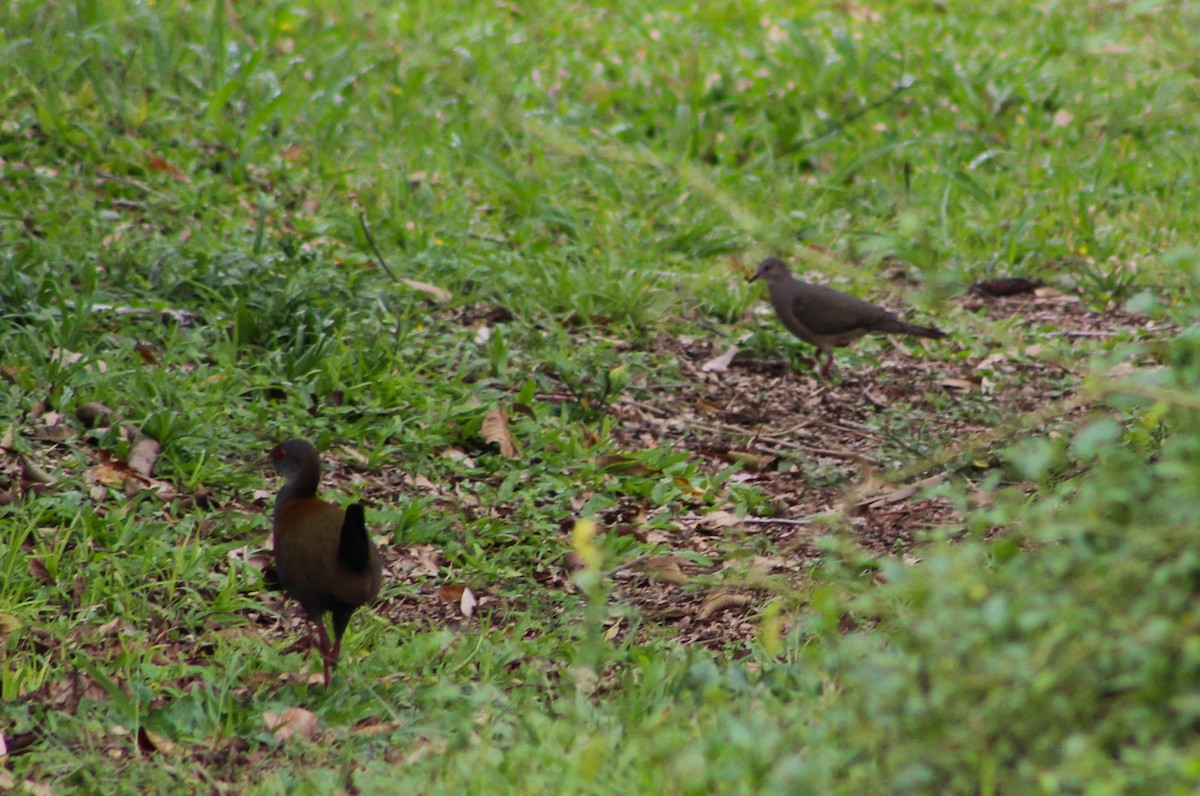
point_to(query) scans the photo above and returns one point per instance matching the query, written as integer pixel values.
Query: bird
(825, 317)
(325, 559)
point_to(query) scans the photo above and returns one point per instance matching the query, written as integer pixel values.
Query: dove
(825, 317)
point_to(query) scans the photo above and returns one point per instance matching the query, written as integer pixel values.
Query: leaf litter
(813, 449)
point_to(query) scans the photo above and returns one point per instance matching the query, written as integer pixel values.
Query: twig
(489, 239)
(104, 175)
(837, 126)
(774, 443)
(362, 221)
(850, 429)
(770, 521)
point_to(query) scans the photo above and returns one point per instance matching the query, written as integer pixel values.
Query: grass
(605, 176)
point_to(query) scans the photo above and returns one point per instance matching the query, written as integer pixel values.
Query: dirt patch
(854, 456)
(858, 452)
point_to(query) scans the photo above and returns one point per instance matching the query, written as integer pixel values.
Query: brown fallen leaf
(356, 455)
(143, 455)
(892, 495)
(962, 385)
(459, 455)
(55, 433)
(147, 353)
(157, 163)
(496, 431)
(93, 414)
(451, 592)
(438, 294)
(377, 728)
(623, 464)
(720, 364)
(458, 593)
(722, 601)
(293, 722)
(39, 570)
(523, 409)
(31, 472)
(9, 624)
(664, 568)
(1006, 286)
(64, 357)
(110, 472)
(426, 563)
(150, 741)
(716, 520)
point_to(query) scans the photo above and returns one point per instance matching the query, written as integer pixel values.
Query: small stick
(362, 221)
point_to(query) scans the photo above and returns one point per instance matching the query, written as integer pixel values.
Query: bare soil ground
(861, 449)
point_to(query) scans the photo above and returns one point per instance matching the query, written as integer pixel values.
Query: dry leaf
(467, 603)
(38, 568)
(9, 624)
(495, 430)
(436, 293)
(716, 520)
(664, 568)
(1006, 286)
(1063, 118)
(451, 592)
(110, 472)
(720, 364)
(722, 602)
(355, 455)
(293, 722)
(458, 455)
(623, 464)
(64, 357)
(93, 414)
(523, 409)
(156, 163)
(426, 564)
(658, 538)
(55, 433)
(31, 472)
(901, 493)
(150, 741)
(748, 459)
(143, 455)
(147, 353)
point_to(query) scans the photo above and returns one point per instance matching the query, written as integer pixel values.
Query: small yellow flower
(583, 539)
(1082, 250)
